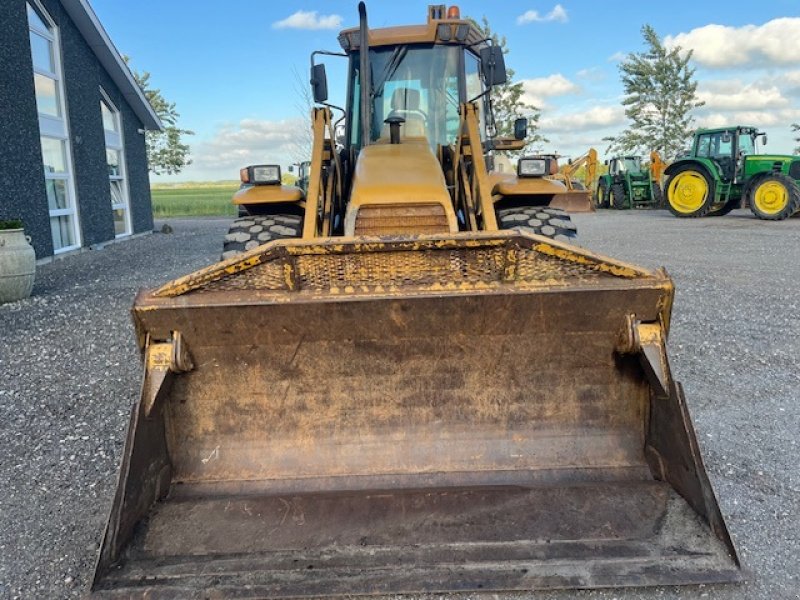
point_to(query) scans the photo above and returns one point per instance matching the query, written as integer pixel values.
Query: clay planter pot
(17, 265)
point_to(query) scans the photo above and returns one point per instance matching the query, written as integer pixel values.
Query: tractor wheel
(690, 192)
(549, 222)
(658, 196)
(618, 199)
(774, 197)
(250, 232)
(601, 199)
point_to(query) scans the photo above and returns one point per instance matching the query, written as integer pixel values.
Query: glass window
(35, 20)
(53, 155)
(115, 162)
(474, 85)
(747, 143)
(57, 198)
(416, 83)
(632, 164)
(109, 118)
(704, 145)
(47, 101)
(120, 226)
(722, 144)
(63, 232)
(42, 52)
(112, 160)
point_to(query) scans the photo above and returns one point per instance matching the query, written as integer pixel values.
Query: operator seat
(405, 104)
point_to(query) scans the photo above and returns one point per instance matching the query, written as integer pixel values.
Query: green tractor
(628, 184)
(724, 170)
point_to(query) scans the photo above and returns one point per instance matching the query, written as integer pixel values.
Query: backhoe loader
(410, 385)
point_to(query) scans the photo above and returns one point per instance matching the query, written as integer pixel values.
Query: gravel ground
(69, 371)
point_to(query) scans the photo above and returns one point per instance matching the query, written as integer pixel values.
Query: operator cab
(728, 147)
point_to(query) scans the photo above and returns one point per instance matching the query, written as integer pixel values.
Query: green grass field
(194, 199)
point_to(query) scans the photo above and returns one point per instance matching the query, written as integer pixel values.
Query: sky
(235, 68)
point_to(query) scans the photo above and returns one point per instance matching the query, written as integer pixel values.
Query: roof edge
(85, 19)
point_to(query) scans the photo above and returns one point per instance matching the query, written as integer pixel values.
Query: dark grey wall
(22, 190)
(84, 76)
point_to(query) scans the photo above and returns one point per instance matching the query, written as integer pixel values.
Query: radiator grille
(399, 220)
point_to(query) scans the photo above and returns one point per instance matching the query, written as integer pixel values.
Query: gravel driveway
(69, 371)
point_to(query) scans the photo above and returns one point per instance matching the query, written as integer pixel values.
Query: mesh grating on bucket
(418, 268)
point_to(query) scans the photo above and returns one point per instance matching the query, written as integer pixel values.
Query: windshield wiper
(398, 54)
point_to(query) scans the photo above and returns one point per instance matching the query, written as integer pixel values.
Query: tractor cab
(728, 148)
(631, 165)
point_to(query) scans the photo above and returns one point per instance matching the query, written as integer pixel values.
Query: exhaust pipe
(366, 84)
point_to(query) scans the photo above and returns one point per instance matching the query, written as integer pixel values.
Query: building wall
(23, 191)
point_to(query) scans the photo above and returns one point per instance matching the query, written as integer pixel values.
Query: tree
(507, 99)
(166, 152)
(660, 94)
(796, 128)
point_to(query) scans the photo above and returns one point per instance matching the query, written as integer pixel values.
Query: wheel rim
(771, 197)
(688, 192)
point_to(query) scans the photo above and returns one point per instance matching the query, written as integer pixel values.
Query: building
(70, 105)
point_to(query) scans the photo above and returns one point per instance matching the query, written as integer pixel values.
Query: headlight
(531, 167)
(261, 174)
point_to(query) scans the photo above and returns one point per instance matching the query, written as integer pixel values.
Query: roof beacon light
(453, 12)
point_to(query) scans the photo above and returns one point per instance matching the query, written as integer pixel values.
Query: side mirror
(764, 139)
(520, 128)
(605, 162)
(726, 138)
(290, 168)
(319, 83)
(493, 65)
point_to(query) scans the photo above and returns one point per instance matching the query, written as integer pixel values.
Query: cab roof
(729, 128)
(437, 30)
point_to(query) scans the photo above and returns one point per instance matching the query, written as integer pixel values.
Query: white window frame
(115, 140)
(58, 127)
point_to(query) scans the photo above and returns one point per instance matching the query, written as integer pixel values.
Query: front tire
(690, 192)
(601, 197)
(540, 220)
(774, 197)
(618, 199)
(250, 232)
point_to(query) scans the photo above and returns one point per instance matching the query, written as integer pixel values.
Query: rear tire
(540, 220)
(690, 192)
(774, 197)
(618, 199)
(250, 232)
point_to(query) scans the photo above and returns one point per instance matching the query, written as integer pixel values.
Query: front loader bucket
(574, 201)
(482, 412)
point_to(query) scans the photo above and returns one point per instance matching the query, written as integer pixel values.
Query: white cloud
(251, 141)
(558, 14)
(597, 117)
(309, 19)
(776, 42)
(760, 118)
(617, 57)
(535, 90)
(592, 74)
(733, 94)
